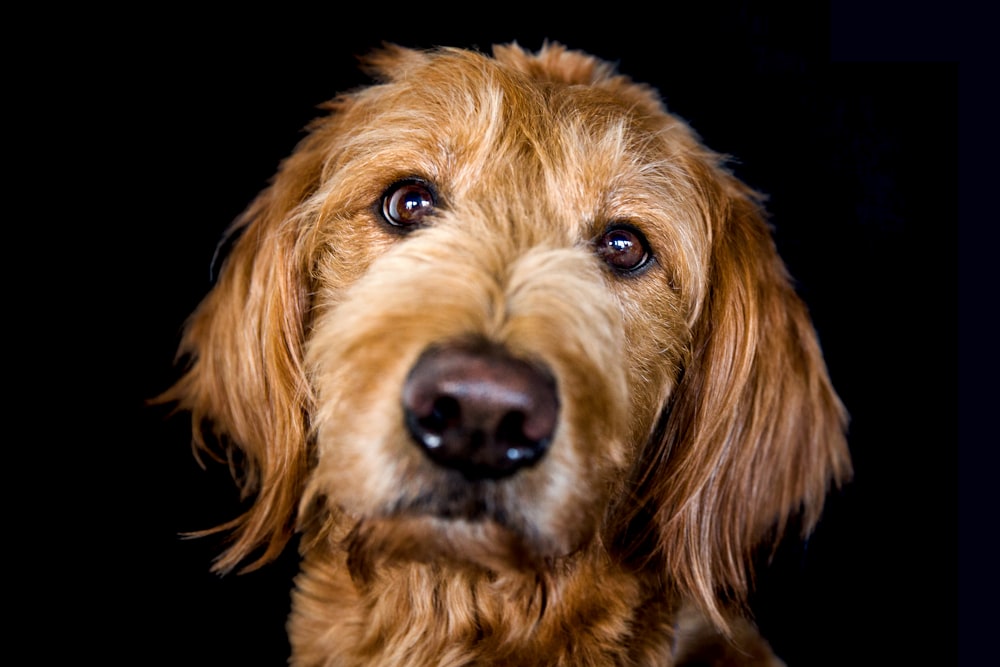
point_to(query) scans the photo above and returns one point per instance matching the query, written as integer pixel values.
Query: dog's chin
(479, 543)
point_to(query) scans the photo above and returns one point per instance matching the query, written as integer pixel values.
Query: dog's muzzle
(480, 410)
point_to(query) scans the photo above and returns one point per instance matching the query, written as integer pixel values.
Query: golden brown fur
(695, 415)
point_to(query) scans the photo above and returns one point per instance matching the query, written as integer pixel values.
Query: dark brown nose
(482, 412)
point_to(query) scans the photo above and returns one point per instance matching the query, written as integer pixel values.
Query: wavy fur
(696, 418)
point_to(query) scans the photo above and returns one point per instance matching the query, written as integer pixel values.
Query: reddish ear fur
(245, 380)
(755, 433)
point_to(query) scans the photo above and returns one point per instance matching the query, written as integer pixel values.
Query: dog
(514, 356)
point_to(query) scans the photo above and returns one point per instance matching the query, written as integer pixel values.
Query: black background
(847, 116)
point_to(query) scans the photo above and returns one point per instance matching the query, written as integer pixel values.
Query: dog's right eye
(407, 203)
(625, 249)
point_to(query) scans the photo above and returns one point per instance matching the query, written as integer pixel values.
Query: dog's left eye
(407, 203)
(624, 248)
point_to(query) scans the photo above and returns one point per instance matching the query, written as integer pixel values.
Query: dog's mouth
(459, 541)
(467, 523)
(458, 500)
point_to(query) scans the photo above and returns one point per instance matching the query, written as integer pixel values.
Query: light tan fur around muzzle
(696, 418)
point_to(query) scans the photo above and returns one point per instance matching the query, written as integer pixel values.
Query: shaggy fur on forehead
(696, 418)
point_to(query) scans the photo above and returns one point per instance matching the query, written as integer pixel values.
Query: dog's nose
(483, 412)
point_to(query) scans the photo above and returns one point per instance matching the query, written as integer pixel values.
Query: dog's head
(504, 309)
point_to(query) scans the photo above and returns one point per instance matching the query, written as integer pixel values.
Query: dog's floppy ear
(244, 382)
(755, 434)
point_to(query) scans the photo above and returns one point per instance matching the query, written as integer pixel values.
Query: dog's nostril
(484, 413)
(511, 433)
(444, 416)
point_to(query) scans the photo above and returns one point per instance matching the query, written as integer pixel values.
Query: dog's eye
(624, 248)
(407, 203)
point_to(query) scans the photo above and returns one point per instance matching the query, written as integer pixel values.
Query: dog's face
(501, 310)
(482, 217)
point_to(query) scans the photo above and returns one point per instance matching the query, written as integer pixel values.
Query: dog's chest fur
(424, 614)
